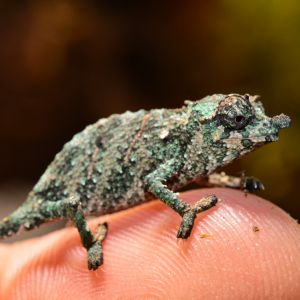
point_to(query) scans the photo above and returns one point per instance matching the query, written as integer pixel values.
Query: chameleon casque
(132, 158)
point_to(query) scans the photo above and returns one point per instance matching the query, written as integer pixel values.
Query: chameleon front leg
(71, 208)
(247, 184)
(155, 184)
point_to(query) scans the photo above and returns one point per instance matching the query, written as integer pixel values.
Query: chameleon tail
(26, 217)
(9, 226)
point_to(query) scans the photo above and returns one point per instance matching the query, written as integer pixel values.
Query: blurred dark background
(65, 64)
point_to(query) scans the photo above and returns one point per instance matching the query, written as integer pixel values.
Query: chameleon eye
(235, 112)
(239, 120)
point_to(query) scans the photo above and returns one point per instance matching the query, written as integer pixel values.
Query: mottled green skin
(128, 159)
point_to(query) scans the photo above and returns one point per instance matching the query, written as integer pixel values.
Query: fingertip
(142, 257)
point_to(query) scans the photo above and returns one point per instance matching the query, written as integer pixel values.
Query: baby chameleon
(132, 158)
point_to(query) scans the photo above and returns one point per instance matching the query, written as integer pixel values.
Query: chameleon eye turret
(127, 159)
(235, 111)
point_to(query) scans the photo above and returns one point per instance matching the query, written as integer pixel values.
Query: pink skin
(143, 260)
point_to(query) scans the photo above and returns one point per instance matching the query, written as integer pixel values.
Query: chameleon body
(131, 158)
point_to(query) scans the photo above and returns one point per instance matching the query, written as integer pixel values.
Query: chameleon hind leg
(71, 208)
(155, 184)
(247, 184)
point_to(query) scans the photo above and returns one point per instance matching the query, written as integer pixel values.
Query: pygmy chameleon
(132, 158)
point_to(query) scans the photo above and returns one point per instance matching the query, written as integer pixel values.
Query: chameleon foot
(95, 252)
(188, 218)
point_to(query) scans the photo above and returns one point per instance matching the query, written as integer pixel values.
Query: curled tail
(26, 217)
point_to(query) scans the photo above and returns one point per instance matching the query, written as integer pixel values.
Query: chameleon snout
(281, 121)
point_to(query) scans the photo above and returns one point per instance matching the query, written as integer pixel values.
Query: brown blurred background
(65, 64)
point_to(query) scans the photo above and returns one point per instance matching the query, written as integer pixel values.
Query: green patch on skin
(247, 143)
(224, 135)
(245, 133)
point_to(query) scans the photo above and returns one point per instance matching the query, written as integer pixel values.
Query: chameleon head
(244, 121)
(234, 125)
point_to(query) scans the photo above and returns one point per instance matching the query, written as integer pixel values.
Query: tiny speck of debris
(164, 133)
(205, 235)
(255, 228)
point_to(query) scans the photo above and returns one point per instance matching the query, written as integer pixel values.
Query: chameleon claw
(95, 256)
(186, 225)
